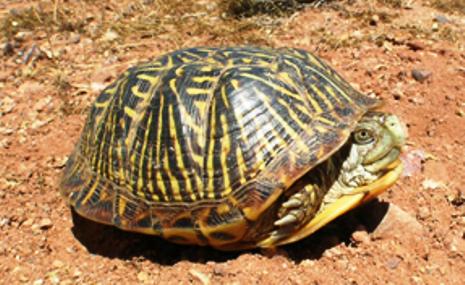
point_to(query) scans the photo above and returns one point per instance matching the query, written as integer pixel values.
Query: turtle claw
(295, 210)
(286, 220)
(293, 203)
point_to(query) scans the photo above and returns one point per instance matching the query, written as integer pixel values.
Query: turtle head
(376, 144)
(367, 165)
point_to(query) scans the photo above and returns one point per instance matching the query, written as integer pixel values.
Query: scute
(174, 140)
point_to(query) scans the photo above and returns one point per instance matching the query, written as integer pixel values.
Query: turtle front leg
(294, 213)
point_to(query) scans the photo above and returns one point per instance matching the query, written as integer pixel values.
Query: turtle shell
(197, 144)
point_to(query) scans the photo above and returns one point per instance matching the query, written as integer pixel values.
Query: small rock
(421, 75)
(28, 88)
(430, 184)
(8, 49)
(36, 124)
(21, 36)
(457, 245)
(5, 143)
(441, 19)
(307, 263)
(57, 263)
(457, 199)
(74, 38)
(45, 224)
(423, 213)
(110, 36)
(143, 277)
(7, 104)
(413, 162)
(42, 103)
(6, 131)
(416, 45)
(38, 282)
(32, 54)
(23, 278)
(417, 100)
(360, 236)
(28, 222)
(200, 276)
(397, 222)
(5, 221)
(374, 20)
(435, 27)
(54, 278)
(393, 262)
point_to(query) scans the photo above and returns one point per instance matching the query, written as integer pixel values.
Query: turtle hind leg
(295, 212)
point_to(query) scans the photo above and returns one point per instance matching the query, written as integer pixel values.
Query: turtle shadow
(111, 242)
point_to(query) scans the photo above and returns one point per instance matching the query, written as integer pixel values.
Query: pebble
(45, 224)
(397, 222)
(57, 263)
(416, 45)
(200, 276)
(393, 262)
(143, 277)
(74, 38)
(430, 184)
(7, 104)
(360, 236)
(54, 278)
(441, 19)
(38, 282)
(42, 103)
(8, 49)
(421, 75)
(413, 162)
(110, 36)
(29, 88)
(5, 222)
(423, 213)
(5, 143)
(31, 54)
(374, 20)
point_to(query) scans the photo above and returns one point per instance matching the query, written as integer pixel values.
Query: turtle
(233, 147)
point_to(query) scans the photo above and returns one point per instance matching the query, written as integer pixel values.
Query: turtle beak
(345, 203)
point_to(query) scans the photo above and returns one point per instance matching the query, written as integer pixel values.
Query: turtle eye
(363, 136)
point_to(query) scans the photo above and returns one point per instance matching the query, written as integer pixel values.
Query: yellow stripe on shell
(135, 91)
(224, 96)
(91, 191)
(201, 79)
(210, 155)
(225, 150)
(314, 104)
(159, 159)
(273, 85)
(330, 90)
(153, 80)
(140, 181)
(294, 136)
(315, 61)
(175, 188)
(178, 157)
(323, 97)
(130, 112)
(241, 165)
(197, 91)
(122, 205)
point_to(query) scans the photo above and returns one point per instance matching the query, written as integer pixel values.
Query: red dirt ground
(50, 73)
